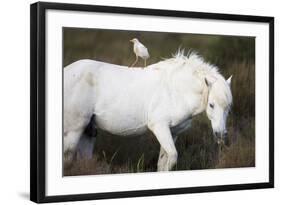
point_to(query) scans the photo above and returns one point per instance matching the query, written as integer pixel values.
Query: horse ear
(209, 80)
(229, 80)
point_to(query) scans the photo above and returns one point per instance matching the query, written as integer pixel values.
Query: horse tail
(91, 130)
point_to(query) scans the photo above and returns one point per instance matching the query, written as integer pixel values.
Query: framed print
(129, 102)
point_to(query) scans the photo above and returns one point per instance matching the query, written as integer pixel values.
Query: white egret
(140, 51)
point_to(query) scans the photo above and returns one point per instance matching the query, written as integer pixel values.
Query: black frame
(38, 103)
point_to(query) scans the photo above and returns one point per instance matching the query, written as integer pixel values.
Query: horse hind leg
(87, 141)
(70, 142)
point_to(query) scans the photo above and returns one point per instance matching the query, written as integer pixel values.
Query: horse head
(218, 106)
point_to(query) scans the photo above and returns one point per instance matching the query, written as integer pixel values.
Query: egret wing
(142, 50)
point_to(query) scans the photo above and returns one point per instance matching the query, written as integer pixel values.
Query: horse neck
(203, 102)
(191, 92)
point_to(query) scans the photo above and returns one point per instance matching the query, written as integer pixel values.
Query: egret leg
(135, 61)
(144, 62)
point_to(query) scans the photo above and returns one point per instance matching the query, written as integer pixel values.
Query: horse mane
(191, 60)
(194, 63)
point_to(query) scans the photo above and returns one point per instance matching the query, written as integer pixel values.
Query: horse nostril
(227, 141)
(225, 133)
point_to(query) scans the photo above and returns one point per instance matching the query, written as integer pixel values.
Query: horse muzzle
(221, 138)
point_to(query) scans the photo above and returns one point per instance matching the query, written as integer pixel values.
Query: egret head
(134, 40)
(218, 107)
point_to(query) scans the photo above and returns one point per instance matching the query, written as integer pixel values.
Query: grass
(196, 148)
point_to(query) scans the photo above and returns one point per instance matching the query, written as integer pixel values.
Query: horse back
(111, 92)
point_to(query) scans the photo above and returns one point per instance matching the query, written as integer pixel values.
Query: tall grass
(196, 148)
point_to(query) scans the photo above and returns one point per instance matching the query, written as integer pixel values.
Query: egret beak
(132, 40)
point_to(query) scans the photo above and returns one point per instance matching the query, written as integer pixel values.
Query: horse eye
(211, 105)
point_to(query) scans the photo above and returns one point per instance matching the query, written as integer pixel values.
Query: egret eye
(211, 105)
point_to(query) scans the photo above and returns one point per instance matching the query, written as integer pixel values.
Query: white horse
(162, 98)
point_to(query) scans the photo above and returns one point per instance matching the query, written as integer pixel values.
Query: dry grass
(196, 148)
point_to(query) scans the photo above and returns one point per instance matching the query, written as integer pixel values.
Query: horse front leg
(162, 159)
(163, 134)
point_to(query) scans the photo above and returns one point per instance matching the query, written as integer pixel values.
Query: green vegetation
(233, 55)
